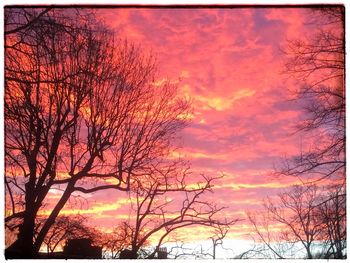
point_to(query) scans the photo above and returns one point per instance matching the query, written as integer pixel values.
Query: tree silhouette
(332, 217)
(308, 215)
(154, 213)
(116, 241)
(318, 63)
(81, 107)
(66, 227)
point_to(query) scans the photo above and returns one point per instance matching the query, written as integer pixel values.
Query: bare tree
(296, 213)
(332, 216)
(66, 227)
(268, 243)
(80, 107)
(318, 63)
(116, 241)
(167, 202)
(182, 250)
(220, 233)
(306, 218)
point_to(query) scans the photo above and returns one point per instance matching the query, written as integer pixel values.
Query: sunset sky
(229, 62)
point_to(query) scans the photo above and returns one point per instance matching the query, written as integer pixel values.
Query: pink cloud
(229, 62)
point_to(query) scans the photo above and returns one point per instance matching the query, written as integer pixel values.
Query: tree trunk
(133, 254)
(23, 247)
(309, 254)
(51, 220)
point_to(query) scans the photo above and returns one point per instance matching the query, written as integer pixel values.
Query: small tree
(118, 240)
(296, 212)
(156, 215)
(183, 250)
(220, 233)
(64, 228)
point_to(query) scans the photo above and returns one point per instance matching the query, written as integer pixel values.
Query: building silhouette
(80, 248)
(162, 253)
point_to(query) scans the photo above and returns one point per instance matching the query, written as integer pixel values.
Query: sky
(229, 62)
